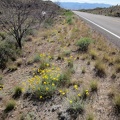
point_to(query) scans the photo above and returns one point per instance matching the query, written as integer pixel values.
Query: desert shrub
(100, 69)
(69, 20)
(7, 52)
(10, 106)
(68, 13)
(36, 58)
(2, 35)
(67, 52)
(64, 78)
(83, 44)
(45, 91)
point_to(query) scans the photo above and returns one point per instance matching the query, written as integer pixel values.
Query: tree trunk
(19, 43)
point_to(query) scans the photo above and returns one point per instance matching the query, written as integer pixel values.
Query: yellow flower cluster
(87, 92)
(75, 87)
(44, 79)
(1, 87)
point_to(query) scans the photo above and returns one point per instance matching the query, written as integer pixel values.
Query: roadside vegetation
(64, 70)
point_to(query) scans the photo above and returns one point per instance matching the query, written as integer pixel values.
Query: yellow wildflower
(70, 101)
(79, 95)
(47, 88)
(41, 97)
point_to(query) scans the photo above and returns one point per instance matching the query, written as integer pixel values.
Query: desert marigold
(71, 101)
(41, 97)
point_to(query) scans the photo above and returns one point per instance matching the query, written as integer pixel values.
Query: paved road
(108, 26)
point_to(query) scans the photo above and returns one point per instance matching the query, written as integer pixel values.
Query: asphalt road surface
(108, 26)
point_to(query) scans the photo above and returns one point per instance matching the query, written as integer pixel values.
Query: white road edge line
(100, 27)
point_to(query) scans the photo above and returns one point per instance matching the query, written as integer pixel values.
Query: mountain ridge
(78, 6)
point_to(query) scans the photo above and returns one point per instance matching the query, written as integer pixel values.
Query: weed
(10, 106)
(83, 44)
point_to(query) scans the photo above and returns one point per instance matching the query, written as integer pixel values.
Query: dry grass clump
(100, 69)
(90, 117)
(117, 68)
(10, 106)
(12, 68)
(93, 54)
(17, 92)
(94, 86)
(116, 100)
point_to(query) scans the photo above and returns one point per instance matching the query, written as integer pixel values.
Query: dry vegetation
(66, 71)
(111, 11)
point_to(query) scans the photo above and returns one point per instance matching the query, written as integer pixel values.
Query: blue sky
(112, 2)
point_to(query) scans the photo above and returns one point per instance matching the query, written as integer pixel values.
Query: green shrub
(64, 78)
(7, 51)
(36, 58)
(83, 44)
(69, 20)
(17, 92)
(68, 13)
(10, 106)
(2, 35)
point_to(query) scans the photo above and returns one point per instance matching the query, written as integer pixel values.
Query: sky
(112, 2)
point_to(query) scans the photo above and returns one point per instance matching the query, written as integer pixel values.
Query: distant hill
(77, 6)
(110, 11)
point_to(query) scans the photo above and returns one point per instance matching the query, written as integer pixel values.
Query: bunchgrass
(94, 86)
(17, 91)
(10, 106)
(100, 69)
